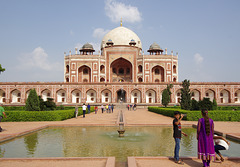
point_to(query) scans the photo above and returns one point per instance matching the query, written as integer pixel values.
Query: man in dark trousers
(88, 107)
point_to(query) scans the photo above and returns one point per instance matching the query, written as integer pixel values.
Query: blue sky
(35, 34)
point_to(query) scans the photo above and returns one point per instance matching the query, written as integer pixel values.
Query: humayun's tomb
(119, 72)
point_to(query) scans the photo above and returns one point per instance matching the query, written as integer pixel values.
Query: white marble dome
(121, 36)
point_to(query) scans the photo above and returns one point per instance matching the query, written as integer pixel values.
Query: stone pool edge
(110, 161)
(132, 161)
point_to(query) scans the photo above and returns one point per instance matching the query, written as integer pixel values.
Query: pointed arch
(209, 93)
(158, 74)
(61, 96)
(15, 96)
(106, 95)
(2, 96)
(76, 96)
(136, 96)
(121, 70)
(46, 93)
(196, 94)
(91, 96)
(151, 96)
(84, 74)
(225, 96)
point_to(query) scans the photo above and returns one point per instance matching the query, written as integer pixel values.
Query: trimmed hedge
(29, 116)
(217, 115)
(14, 108)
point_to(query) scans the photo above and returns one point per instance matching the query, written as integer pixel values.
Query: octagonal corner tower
(121, 36)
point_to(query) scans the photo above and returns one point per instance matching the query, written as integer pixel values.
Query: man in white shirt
(220, 144)
(84, 107)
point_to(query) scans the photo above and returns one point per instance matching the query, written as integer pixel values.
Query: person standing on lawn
(177, 135)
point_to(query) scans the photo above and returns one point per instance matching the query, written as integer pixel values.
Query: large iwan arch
(121, 70)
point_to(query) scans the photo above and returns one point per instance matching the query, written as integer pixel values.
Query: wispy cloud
(38, 59)
(99, 33)
(198, 58)
(71, 32)
(117, 10)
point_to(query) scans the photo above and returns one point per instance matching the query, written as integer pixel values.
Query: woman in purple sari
(205, 131)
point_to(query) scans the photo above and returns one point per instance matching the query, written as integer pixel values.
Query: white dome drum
(121, 36)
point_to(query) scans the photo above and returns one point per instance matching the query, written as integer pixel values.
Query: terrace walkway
(141, 117)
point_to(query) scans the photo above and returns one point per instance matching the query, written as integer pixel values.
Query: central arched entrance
(121, 71)
(121, 96)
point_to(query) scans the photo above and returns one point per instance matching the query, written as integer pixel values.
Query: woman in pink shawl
(205, 131)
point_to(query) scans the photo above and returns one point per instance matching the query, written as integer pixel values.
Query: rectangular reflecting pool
(103, 142)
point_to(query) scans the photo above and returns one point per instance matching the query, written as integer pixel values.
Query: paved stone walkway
(137, 118)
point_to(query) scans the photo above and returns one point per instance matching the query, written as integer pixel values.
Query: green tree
(185, 95)
(166, 96)
(214, 104)
(1, 69)
(32, 103)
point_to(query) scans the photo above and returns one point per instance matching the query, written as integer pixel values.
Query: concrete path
(133, 118)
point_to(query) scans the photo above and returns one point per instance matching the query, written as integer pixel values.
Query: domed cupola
(87, 49)
(109, 42)
(155, 49)
(132, 42)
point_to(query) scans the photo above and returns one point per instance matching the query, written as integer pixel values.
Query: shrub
(14, 108)
(205, 104)
(32, 103)
(26, 116)
(194, 105)
(214, 104)
(216, 115)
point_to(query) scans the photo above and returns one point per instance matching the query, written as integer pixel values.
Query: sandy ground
(133, 118)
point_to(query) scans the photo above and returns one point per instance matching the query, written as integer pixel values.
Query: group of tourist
(131, 106)
(108, 108)
(205, 137)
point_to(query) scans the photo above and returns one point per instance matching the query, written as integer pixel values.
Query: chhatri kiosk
(120, 72)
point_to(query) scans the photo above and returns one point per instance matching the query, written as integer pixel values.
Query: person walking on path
(109, 108)
(134, 107)
(84, 107)
(220, 144)
(205, 131)
(102, 107)
(89, 108)
(76, 111)
(112, 107)
(177, 135)
(96, 109)
(2, 113)
(128, 106)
